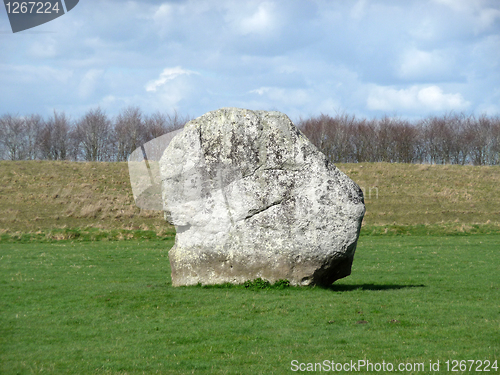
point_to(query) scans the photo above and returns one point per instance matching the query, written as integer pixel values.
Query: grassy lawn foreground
(108, 307)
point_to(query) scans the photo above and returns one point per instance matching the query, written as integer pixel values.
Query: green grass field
(108, 307)
(85, 281)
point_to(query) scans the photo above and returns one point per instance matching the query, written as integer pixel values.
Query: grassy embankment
(54, 198)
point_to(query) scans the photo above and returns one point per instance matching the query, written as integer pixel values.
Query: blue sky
(369, 58)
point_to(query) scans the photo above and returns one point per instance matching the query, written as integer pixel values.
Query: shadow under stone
(352, 287)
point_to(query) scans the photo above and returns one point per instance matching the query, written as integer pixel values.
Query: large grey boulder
(251, 197)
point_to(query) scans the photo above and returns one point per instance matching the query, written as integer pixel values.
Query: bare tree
(364, 139)
(18, 136)
(495, 141)
(343, 134)
(449, 138)
(404, 136)
(11, 132)
(386, 148)
(479, 134)
(128, 132)
(313, 130)
(176, 121)
(154, 126)
(158, 124)
(92, 136)
(419, 147)
(33, 125)
(54, 138)
(330, 135)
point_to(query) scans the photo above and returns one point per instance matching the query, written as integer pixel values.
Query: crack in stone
(258, 211)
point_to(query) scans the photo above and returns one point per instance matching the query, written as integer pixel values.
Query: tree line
(447, 139)
(93, 137)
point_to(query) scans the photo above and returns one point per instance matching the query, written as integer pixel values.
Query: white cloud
(418, 64)
(433, 97)
(425, 29)
(260, 22)
(89, 82)
(163, 13)
(44, 49)
(167, 75)
(328, 105)
(457, 5)
(481, 13)
(415, 98)
(358, 11)
(175, 88)
(280, 96)
(163, 18)
(261, 91)
(489, 109)
(36, 74)
(487, 17)
(171, 98)
(303, 57)
(258, 18)
(484, 64)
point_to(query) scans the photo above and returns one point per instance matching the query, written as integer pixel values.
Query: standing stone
(251, 197)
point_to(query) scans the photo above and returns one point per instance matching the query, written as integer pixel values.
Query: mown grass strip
(85, 234)
(95, 234)
(449, 229)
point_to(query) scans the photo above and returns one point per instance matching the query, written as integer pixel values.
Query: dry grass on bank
(413, 194)
(42, 195)
(39, 195)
